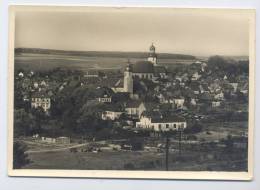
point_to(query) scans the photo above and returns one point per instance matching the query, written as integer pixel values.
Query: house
(41, 100)
(195, 76)
(21, 74)
(111, 115)
(103, 94)
(43, 83)
(105, 99)
(159, 122)
(178, 102)
(215, 104)
(234, 85)
(195, 87)
(48, 140)
(219, 95)
(92, 74)
(135, 108)
(63, 140)
(193, 101)
(35, 85)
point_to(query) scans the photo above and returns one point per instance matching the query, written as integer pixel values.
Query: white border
(130, 174)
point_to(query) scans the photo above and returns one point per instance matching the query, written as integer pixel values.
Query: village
(153, 110)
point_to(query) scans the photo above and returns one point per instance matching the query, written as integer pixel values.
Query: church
(146, 69)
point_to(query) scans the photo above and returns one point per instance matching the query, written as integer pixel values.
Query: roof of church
(143, 67)
(159, 69)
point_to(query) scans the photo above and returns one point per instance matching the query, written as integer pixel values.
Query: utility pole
(167, 152)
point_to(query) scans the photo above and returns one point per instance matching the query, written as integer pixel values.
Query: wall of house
(143, 75)
(168, 126)
(45, 103)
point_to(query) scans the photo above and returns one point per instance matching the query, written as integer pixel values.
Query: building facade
(161, 123)
(41, 101)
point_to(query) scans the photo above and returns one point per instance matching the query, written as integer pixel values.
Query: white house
(41, 100)
(219, 96)
(195, 76)
(111, 115)
(215, 104)
(135, 108)
(105, 99)
(234, 85)
(178, 102)
(21, 74)
(92, 74)
(157, 122)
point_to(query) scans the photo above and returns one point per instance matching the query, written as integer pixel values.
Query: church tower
(152, 55)
(128, 80)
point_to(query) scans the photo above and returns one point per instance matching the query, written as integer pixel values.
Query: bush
(20, 158)
(148, 165)
(192, 137)
(129, 166)
(137, 144)
(196, 128)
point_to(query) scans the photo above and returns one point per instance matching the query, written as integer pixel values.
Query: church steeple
(152, 55)
(152, 48)
(128, 79)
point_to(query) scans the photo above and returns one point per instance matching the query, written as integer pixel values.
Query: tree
(20, 158)
(24, 123)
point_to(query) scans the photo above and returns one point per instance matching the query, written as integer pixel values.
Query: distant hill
(112, 54)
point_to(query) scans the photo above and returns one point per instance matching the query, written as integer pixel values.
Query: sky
(195, 32)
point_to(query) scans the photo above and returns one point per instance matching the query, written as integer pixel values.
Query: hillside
(112, 54)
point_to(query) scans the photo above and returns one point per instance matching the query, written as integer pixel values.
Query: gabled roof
(143, 67)
(168, 119)
(159, 117)
(119, 83)
(159, 69)
(102, 91)
(40, 95)
(133, 104)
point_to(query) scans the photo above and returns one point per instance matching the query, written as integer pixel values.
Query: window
(160, 127)
(174, 125)
(167, 126)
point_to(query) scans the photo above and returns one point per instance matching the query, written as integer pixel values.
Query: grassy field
(134, 160)
(194, 157)
(43, 62)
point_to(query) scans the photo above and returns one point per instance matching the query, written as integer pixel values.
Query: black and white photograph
(131, 92)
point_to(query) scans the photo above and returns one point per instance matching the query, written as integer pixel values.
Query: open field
(194, 157)
(133, 160)
(43, 62)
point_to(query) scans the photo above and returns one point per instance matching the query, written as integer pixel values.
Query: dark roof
(133, 104)
(119, 83)
(114, 108)
(102, 91)
(159, 117)
(92, 72)
(159, 69)
(205, 96)
(40, 95)
(143, 67)
(167, 119)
